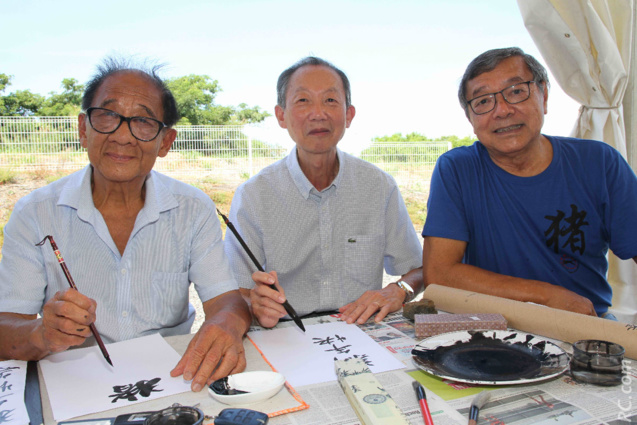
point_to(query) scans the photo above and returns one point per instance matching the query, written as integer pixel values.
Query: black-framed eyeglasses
(106, 121)
(513, 94)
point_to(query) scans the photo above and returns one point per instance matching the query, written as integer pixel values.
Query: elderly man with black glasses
(523, 215)
(133, 240)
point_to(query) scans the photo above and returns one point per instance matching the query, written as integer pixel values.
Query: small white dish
(258, 386)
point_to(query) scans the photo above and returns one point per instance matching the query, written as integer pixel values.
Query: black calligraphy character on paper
(329, 340)
(576, 240)
(323, 341)
(365, 358)
(129, 392)
(5, 415)
(339, 350)
(5, 372)
(6, 386)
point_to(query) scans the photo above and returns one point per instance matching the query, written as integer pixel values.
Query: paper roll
(536, 319)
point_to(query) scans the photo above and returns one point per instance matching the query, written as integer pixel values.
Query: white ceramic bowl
(259, 386)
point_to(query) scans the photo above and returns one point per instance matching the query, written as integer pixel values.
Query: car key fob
(241, 417)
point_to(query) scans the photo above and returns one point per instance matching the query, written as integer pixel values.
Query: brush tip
(420, 391)
(481, 399)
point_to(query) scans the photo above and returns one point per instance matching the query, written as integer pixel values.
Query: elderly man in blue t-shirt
(523, 215)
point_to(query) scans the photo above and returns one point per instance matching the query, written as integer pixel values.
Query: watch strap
(408, 289)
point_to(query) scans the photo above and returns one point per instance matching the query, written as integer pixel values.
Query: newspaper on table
(557, 401)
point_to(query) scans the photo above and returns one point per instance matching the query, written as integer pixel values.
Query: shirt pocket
(363, 256)
(170, 290)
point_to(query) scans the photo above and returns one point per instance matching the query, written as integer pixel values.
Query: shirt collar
(77, 194)
(301, 181)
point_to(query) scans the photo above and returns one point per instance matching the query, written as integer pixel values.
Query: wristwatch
(408, 289)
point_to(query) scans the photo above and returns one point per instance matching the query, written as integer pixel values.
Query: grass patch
(417, 209)
(49, 176)
(7, 176)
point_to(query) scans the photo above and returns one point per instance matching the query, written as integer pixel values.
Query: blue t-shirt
(555, 227)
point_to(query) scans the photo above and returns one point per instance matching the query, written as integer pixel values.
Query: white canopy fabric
(587, 45)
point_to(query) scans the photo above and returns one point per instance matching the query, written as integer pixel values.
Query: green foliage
(395, 149)
(5, 80)
(24, 103)
(65, 104)
(456, 141)
(398, 137)
(195, 95)
(21, 103)
(245, 115)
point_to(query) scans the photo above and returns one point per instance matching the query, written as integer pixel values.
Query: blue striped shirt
(327, 247)
(176, 240)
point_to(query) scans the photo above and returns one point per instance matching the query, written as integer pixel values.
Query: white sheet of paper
(308, 358)
(80, 382)
(13, 375)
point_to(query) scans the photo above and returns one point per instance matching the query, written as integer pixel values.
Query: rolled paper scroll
(536, 319)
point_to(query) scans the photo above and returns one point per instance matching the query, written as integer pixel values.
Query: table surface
(256, 362)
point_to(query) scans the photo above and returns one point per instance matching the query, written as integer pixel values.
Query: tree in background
(417, 137)
(67, 103)
(19, 103)
(195, 95)
(384, 149)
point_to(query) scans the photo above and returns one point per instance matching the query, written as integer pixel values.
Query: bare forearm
(21, 337)
(231, 309)
(414, 278)
(471, 278)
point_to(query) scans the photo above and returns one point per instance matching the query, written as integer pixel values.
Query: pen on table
(480, 400)
(422, 400)
(69, 279)
(286, 304)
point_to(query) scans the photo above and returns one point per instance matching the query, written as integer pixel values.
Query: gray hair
(488, 60)
(112, 65)
(284, 79)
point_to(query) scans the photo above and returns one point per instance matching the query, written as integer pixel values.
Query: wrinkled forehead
(130, 88)
(319, 78)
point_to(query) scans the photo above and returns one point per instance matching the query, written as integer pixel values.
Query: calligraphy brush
(69, 279)
(286, 304)
(422, 401)
(478, 402)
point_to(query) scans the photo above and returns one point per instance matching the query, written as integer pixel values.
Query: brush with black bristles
(478, 402)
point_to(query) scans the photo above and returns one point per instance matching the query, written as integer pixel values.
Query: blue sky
(404, 57)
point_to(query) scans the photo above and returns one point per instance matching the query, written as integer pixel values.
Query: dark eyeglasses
(514, 94)
(106, 121)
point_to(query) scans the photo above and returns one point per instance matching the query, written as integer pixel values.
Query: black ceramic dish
(490, 357)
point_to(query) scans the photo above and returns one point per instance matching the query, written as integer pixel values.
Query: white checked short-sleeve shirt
(176, 240)
(327, 247)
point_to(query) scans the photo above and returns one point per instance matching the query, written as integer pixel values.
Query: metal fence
(218, 152)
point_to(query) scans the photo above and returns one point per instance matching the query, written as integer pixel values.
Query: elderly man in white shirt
(322, 222)
(133, 240)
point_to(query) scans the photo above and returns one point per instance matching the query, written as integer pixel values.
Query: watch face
(408, 289)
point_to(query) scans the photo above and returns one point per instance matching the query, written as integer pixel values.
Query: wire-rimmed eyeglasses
(106, 121)
(513, 94)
